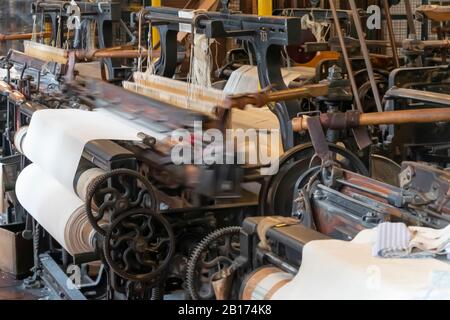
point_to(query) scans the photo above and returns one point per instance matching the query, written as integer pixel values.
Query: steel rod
(348, 64)
(390, 28)
(410, 19)
(418, 95)
(366, 55)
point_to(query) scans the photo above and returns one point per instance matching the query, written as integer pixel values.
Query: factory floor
(12, 289)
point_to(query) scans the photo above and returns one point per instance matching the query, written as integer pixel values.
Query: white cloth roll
(56, 138)
(56, 208)
(339, 270)
(246, 79)
(54, 143)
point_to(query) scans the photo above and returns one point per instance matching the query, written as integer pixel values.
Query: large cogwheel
(214, 253)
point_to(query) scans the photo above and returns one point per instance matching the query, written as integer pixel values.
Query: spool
(78, 233)
(263, 283)
(84, 178)
(19, 138)
(57, 209)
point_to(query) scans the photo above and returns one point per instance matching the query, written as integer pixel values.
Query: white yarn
(34, 34)
(201, 61)
(318, 29)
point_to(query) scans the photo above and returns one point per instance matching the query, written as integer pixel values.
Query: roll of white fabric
(56, 208)
(246, 79)
(54, 143)
(263, 283)
(341, 270)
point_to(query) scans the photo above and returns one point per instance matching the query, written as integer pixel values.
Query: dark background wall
(14, 17)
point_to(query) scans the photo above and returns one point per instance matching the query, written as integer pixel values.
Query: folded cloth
(396, 240)
(431, 241)
(392, 240)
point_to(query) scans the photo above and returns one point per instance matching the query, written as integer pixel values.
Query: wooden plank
(45, 52)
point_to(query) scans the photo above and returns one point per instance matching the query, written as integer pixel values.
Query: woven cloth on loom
(333, 269)
(178, 93)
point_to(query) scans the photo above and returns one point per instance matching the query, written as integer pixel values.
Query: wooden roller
(354, 119)
(23, 36)
(45, 52)
(263, 283)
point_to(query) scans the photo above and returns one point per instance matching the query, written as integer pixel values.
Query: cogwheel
(202, 247)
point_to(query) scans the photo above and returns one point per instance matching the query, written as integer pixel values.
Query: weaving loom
(178, 93)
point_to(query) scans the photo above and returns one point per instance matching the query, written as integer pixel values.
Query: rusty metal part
(361, 135)
(390, 28)
(422, 187)
(382, 43)
(366, 55)
(440, 30)
(264, 97)
(222, 283)
(23, 36)
(13, 95)
(411, 45)
(346, 56)
(436, 44)
(418, 95)
(5, 88)
(354, 119)
(211, 266)
(435, 12)
(347, 203)
(318, 138)
(384, 169)
(104, 53)
(17, 97)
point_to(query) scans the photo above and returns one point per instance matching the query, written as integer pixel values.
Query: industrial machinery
(124, 220)
(333, 206)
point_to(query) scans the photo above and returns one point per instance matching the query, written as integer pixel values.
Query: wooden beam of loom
(178, 93)
(23, 36)
(435, 12)
(45, 52)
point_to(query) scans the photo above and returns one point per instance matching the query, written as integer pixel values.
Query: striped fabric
(392, 240)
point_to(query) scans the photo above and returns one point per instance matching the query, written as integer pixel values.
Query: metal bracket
(318, 139)
(57, 280)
